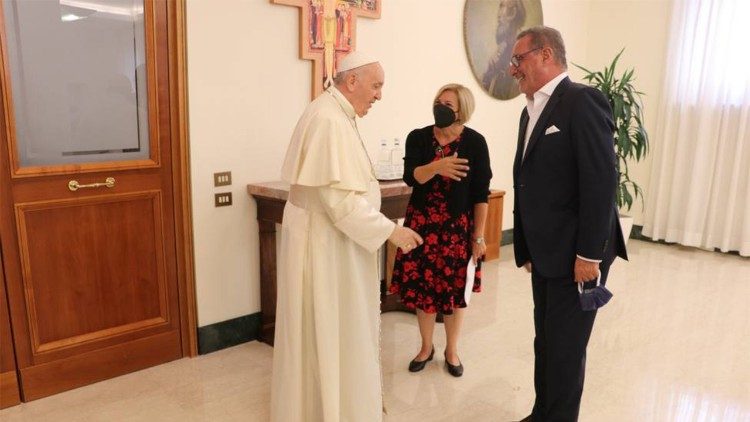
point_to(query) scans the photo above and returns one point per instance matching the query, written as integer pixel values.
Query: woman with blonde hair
(447, 165)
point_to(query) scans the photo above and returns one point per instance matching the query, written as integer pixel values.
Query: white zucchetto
(354, 60)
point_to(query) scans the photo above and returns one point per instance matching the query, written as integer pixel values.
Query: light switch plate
(223, 199)
(223, 178)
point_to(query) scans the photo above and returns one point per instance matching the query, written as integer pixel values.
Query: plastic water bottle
(397, 159)
(384, 167)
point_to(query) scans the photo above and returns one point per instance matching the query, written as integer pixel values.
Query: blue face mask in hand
(594, 298)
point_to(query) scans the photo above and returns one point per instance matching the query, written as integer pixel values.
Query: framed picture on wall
(490, 29)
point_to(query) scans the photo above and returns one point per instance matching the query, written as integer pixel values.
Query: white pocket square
(552, 129)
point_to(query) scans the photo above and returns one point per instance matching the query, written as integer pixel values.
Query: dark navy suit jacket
(564, 202)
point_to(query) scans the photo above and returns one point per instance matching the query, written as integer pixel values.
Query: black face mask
(444, 115)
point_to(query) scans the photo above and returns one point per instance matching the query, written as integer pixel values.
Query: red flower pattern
(433, 277)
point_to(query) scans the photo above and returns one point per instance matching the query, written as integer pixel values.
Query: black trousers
(562, 333)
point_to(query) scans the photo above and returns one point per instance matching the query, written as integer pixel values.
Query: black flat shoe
(418, 365)
(455, 370)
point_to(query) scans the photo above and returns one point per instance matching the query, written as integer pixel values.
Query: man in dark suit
(566, 227)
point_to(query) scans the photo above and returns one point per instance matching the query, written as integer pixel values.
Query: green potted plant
(631, 139)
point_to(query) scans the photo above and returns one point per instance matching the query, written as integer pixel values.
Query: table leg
(267, 232)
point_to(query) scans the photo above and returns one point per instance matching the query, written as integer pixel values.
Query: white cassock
(326, 364)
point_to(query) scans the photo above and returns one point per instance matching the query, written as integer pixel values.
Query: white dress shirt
(535, 105)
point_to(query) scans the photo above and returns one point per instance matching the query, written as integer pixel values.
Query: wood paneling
(60, 375)
(68, 250)
(493, 229)
(181, 177)
(9, 391)
(100, 280)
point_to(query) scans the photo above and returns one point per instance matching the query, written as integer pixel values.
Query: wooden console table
(271, 198)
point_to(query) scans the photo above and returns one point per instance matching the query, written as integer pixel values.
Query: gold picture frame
(490, 29)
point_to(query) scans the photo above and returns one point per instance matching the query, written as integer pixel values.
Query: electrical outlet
(223, 178)
(223, 199)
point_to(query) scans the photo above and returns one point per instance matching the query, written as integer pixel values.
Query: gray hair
(544, 36)
(340, 77)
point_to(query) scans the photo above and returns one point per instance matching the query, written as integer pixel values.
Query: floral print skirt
(432, 277)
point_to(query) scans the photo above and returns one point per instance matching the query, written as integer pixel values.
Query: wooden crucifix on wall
(328, 32)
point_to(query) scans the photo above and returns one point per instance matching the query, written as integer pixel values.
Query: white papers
(470, 270)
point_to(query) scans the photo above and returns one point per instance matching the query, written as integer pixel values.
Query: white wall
(247, 87)
(641, 27)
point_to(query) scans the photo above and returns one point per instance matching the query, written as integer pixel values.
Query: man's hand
(405, 238)
(584, 271)
(451, 166)
(527, 266)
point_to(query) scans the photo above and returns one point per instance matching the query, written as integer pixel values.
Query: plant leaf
(631, 138)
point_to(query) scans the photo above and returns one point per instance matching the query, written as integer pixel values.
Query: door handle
(73, 185)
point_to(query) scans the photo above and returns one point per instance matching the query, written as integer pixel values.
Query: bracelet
(479, 240)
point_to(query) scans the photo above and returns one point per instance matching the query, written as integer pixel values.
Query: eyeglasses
(515, 60)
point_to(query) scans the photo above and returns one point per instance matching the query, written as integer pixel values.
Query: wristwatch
(479, 240)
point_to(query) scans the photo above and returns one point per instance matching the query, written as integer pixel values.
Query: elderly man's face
(366, 88)
(529, 74)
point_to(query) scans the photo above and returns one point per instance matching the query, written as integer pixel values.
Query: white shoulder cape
(326, 149)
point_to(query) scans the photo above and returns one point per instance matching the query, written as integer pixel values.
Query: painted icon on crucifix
(328, 33)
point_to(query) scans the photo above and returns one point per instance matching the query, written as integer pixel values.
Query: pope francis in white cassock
(326, 351)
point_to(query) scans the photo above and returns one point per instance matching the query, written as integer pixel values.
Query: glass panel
(78, 74)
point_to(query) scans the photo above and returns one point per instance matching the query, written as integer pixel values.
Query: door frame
(181, 192)
(181, 176)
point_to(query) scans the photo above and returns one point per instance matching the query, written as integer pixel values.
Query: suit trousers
(562, 331)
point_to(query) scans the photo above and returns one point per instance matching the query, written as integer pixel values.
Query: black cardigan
(472, 189)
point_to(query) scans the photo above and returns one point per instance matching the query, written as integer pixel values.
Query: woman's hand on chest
(451, 166)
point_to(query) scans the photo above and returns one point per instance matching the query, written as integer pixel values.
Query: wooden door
(89, 235)
(9, 393)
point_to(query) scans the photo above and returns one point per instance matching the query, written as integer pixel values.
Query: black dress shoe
(418, 365)
(455, 370)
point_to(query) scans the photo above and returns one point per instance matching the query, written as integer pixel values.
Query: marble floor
(673, 345)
